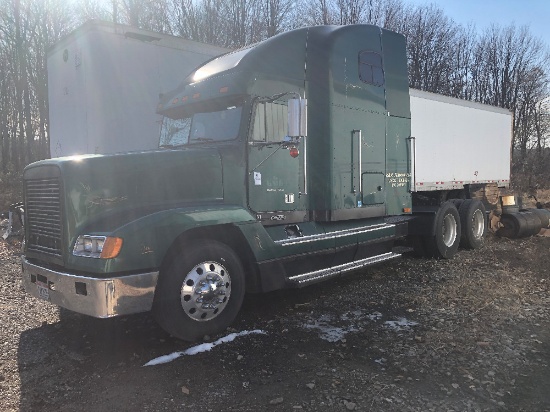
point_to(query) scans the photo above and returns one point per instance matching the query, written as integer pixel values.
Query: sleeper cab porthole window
(370, 68)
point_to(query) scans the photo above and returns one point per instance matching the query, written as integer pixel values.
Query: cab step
(323, 274)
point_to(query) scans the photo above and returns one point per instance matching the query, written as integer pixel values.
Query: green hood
(103, 193)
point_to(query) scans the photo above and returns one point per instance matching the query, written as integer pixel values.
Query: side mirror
(297, 118)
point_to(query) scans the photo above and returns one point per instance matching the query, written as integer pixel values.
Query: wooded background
(504, 66)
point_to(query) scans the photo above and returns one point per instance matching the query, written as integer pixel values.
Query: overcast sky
(535, 13)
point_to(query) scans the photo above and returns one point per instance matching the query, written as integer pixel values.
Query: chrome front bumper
(101, 298)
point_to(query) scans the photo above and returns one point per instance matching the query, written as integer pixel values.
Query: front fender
(147, 239)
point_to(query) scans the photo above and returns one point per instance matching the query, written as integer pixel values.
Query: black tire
(514, 226)
(524, 227)
(534, 223)
(506, 210)
(474, 223)
(544, 216)
(510, 226)
(200, 292)
(444, 244)
(456, 202)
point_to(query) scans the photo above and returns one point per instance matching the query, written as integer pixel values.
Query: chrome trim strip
(455, 184)
(104, 298)
(333, 235)
(346, 267)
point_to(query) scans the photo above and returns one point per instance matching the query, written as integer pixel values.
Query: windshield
(213, 126)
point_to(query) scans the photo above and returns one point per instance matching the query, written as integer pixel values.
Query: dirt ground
(467, 334)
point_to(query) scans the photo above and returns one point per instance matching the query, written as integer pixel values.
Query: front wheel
(200, 292)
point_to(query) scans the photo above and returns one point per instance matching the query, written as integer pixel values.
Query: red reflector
(294, 152)
(224, 89)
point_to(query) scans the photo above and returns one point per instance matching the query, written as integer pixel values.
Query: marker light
(98, 247)
(111, 247)
(294, 152)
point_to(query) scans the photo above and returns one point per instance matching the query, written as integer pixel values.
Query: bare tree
(350, 11)
(188, 19)
(503, 66)
(317, 12)
(389, 14)
(93, 9)
(431, 39)
(510, 71)
(277, 14)
(28, 28)
(145, 14)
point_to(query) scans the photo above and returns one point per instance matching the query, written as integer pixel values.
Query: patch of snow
(352, 315)
(330, 333)
(375, 316)
(204, 347)
(333, 329)
(400, 324)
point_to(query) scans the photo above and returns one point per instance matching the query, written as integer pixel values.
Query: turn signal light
(111, 247)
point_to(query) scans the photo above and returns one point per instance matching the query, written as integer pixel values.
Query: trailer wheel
(473, 222)
(200, 292)
(444, 244)
(456, 202)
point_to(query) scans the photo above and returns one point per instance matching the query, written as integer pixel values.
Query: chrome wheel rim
(478, 224)
(449, 230)
(205, 291)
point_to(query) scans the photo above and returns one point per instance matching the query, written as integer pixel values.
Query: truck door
(370, 142)
(275, 165)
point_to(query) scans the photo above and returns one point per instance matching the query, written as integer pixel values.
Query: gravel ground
(467, 334)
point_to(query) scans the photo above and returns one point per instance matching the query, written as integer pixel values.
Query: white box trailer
(458, 143)
(104, 81)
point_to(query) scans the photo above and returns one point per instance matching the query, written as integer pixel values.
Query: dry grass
(541, 195)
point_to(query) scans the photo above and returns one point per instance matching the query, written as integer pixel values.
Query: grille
(43, 215)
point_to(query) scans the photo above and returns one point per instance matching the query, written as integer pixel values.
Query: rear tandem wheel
(444, 243)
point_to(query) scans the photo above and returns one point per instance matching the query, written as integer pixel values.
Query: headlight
(103, 247)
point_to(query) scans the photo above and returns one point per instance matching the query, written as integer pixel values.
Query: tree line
(505, 66)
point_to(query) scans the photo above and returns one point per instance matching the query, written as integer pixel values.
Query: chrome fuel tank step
(323, 274)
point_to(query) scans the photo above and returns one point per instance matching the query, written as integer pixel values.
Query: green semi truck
(280, 165)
